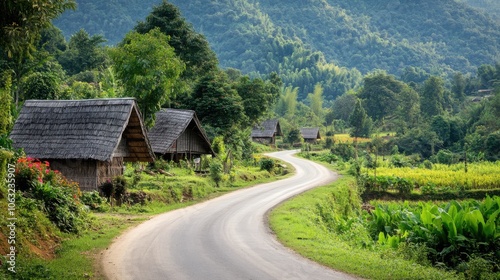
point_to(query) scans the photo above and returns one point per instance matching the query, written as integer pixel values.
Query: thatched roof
(81, 129)
(170, 124)
(267, 129)
(310, 133)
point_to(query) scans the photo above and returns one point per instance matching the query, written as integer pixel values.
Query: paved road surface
(224, 238)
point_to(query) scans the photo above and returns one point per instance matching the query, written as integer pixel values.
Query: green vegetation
(342, 224)
(322, 42)
(419, 82)
(299, 224)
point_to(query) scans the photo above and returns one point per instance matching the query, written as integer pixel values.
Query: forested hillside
(491, 7)
(328, 42)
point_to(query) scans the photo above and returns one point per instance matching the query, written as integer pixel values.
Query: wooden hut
(86, 140)
(178, 134)
(266, 132)
(310, 134)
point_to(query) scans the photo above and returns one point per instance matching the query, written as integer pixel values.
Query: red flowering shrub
(57, 196)
(31, 170)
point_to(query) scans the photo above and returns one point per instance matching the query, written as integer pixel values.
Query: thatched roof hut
(178, 134)
(266, 132)
(310, 134)
(87, 140)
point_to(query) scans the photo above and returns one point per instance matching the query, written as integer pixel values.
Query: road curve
(223, 238)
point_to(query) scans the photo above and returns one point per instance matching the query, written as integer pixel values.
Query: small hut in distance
(178, 134)
(86, 140)
(266, 132)
(310, 134)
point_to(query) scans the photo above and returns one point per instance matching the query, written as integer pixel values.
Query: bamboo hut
(266, 132)
(310, 134)
(86, 140)
(178, 134)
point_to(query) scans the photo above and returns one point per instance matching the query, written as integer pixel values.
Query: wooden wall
(83, 172)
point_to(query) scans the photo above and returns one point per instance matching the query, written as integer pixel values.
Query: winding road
(223, 238)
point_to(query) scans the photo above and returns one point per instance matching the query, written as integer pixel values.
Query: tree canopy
(148, 68)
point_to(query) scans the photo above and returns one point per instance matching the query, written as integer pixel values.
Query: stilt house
(178, 134)
(86, 140)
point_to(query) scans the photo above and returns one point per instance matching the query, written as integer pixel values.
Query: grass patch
(296, 224)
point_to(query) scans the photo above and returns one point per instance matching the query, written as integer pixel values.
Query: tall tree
(343, 106)
(191, 47)
(217, 104)
(486, 76)
(148, 68)
(408, 109)
(360, 122)
(20, 26)
(380, 95)
(316, 100)
(287, 104)
(5, 116)
(257, 95)
(432, 97)
(84, 53)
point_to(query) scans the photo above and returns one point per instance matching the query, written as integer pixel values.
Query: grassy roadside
(295, 224)
(79, 256)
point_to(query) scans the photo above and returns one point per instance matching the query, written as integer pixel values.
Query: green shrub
(344, 150)
(161, 164)
(267, 164)
(428, 164)
(453, 233)
(93, 200)
(60, 205)
(216, 170)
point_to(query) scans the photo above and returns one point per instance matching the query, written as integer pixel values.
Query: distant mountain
(325, 41)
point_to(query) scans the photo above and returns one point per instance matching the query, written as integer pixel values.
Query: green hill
(327, 41)
(491, 7)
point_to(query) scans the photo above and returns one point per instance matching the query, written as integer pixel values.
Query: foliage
(83, 53)
(191, 47)
(93, 200)
(267, 164)
(344, 150)
(293, 136)
(287, 103)
(114, 188)
(257, 97)
(58, 197)
(452, 233)
(5, 116)
(361, 123)
(385, 183)
(343, 106)
(217, 104)
(380, 95)
(22, 22)
(218, 146)
(31, 170)
(432, 97)
(148, 69)
(354, 252)
(216, 171)
(40, 86)
(61, 205)
(480, 175)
